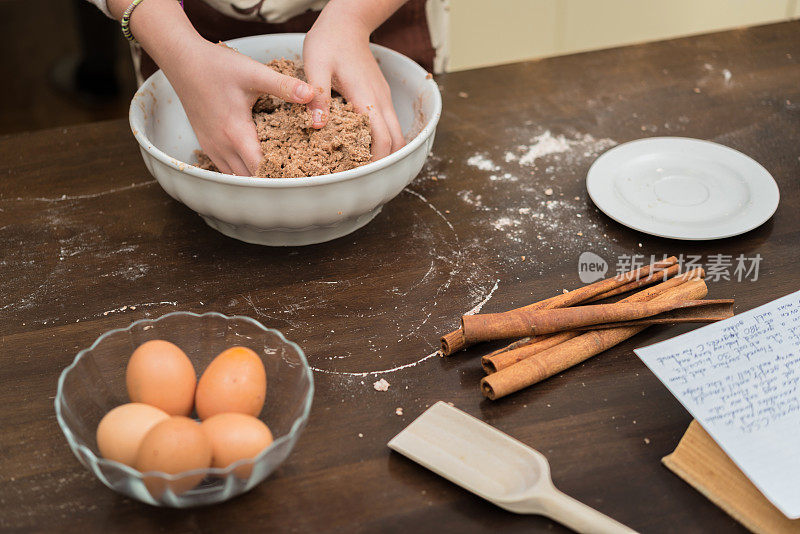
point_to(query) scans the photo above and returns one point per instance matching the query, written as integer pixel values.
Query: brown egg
(160, 374)
(235, 381)
(235, 436)
(173, 446)
(122, 430)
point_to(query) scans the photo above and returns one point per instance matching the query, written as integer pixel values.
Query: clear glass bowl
(95, 383)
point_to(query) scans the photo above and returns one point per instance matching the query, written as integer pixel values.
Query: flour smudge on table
(59, 232)
(483, 163)
(533, 170)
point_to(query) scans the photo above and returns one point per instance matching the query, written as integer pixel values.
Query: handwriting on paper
(747, 374)
(740, 378)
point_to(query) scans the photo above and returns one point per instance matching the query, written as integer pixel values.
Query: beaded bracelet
(126, 19)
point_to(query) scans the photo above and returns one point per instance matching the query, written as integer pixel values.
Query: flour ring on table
(375, 373)
(682, 188)
(475, 309)
(478, 303)
(86, 196)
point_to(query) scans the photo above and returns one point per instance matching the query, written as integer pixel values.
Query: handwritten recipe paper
(740, 378)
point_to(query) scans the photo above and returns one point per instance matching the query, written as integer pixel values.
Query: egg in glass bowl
(286, 211)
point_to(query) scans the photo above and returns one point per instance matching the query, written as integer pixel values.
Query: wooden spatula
(492, 465)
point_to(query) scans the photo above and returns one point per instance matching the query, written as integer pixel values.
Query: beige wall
(500, 31)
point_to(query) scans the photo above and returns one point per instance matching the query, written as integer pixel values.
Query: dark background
(41, 42)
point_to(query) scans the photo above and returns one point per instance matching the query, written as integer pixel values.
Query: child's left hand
(336, 52)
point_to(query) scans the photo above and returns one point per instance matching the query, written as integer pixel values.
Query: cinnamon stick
(653, 276)
(518, 344)
(703, 311)
(658, 275)
(541, 341)
(574, 351)
(455, 340)
(516, 352)
(495, 361)
(493, 326)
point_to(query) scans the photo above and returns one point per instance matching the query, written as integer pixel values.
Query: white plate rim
(769, 181)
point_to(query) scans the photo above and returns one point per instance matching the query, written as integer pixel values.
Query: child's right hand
(218, 87)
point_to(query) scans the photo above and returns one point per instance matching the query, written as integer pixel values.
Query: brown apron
(406, 31)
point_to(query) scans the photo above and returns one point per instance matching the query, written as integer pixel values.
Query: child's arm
(337, 48)
(217, 86)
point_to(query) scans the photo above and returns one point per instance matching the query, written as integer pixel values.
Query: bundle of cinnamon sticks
(557, 333)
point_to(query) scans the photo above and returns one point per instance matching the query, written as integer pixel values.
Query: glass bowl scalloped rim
(216, 471)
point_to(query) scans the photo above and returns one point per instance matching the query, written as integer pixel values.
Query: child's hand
(336, 52)
(218, 87)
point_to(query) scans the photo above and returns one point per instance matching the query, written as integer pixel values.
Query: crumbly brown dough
(292, 148)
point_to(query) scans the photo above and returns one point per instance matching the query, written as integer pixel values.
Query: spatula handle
(579, 517)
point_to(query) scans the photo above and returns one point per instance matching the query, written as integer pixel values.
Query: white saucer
(682, 188)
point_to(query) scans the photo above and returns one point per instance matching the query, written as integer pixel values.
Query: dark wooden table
(89, 242)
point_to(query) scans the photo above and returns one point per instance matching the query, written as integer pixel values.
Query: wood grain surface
(89, 242)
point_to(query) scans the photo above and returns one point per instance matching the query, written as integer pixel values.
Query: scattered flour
(131, 272)
(726, 76)
(540, 215)
(472, 199)
(505, 177)
(543, 145)
(512, 228)
(547, 144)
(433, 168)
(482, 162)
(133, 307)
(505, 222)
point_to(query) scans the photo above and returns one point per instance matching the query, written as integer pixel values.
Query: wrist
(161, 28)
(366, 16)
(184, 64)
(350, 15)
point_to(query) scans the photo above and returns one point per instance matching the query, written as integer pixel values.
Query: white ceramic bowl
(285, 211)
